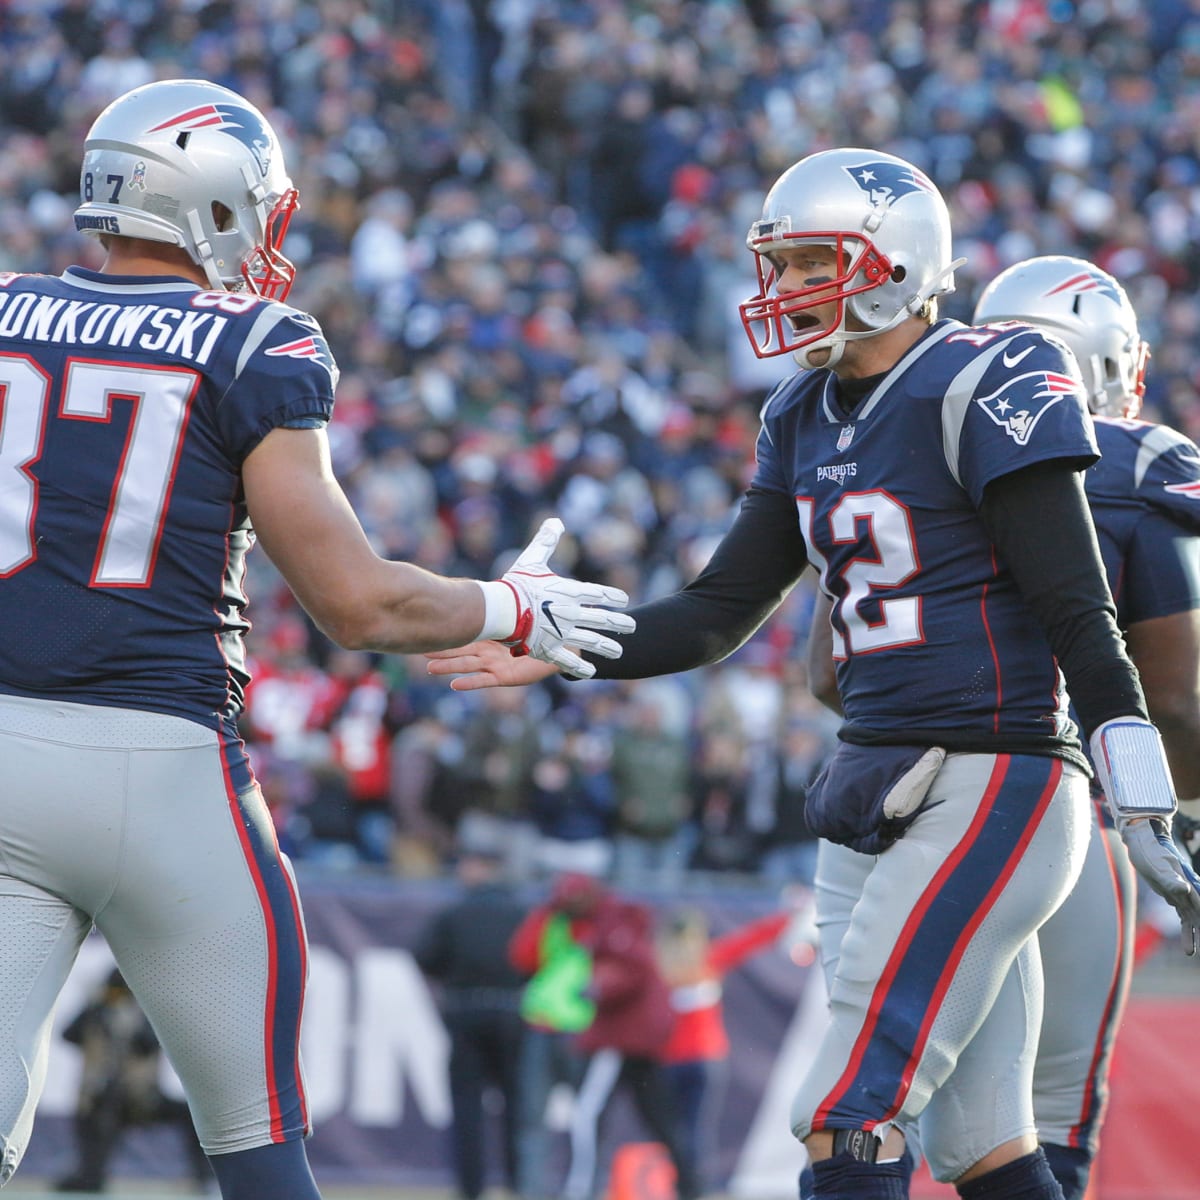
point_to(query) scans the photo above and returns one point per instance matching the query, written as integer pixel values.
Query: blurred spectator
(494, 775)
(651, 767)
(119, 1088)
(381, 256)
(464, 950)
(697, 1054)
(117, 69)
(625, 1040)
(721, 785)
(573, 804)
(290, 699)
(789, 850)
(547, 950)
(425, 798)
(360, 732)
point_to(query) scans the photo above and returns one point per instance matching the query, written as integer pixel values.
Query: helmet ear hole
(899, 274)
(222, 216)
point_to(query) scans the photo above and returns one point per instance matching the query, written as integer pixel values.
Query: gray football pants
(932, 964)
(151, 828)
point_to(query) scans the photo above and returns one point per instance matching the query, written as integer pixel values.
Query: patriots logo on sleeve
(312, 347)
(1019, 405)
(887, 182)
(1190, 490)
(239, 123)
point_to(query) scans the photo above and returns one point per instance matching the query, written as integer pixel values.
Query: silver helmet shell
(191, 163)
(891, 229)
(1086, 308)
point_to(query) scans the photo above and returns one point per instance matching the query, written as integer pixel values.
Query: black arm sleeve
(1039, 521)
(749, 574)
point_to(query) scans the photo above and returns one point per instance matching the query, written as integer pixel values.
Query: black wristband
(860, 1144)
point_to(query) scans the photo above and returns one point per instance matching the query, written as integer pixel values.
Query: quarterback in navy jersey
(896, 534)
(914, 463)
(1144, 495)
(156, 417)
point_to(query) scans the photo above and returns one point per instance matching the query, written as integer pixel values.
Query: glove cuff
(501, 608)
(1132, 765)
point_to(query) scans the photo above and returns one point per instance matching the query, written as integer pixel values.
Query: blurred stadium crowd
(522, 229)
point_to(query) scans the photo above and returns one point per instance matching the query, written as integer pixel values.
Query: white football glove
(1186, 828)
(1157, 859)
(1132, 766)
(552, 611)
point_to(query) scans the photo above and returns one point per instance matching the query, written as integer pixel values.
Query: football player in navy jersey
(932, 473)
(1144, 495)
(156, 416)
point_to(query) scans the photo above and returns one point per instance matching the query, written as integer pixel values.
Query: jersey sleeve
(1162, 570)
(1020, 402)
(285, 376)
(1167, 476)
(769, 475)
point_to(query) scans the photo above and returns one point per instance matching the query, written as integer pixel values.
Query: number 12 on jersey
(884, 523)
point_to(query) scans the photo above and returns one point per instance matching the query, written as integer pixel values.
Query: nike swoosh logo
(1011, 360)
(546, 612)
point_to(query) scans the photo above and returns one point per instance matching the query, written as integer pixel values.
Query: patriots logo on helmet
(309, 347)
(1019, 418)
(886, 182)
(1086, 281)
(239, 123)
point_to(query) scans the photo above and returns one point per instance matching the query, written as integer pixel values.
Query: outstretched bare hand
(487, 664)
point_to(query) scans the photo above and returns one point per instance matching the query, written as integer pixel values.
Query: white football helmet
(191, 163)
(891, 229)
(1087, 309)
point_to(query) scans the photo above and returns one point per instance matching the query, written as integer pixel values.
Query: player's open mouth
(802, 321)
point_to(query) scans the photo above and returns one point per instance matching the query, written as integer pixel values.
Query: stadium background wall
(375, 1053)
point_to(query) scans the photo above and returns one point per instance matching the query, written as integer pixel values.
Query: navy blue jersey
(930, 630)
(127, 407)
(1145, 499)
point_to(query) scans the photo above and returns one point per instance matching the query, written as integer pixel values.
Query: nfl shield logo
(845, 437)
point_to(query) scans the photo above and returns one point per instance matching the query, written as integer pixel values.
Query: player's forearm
(822, 670)
(305, 523)
(750, 572)
(399, 608)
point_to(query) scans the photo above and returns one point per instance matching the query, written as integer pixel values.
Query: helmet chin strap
(835, 341)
